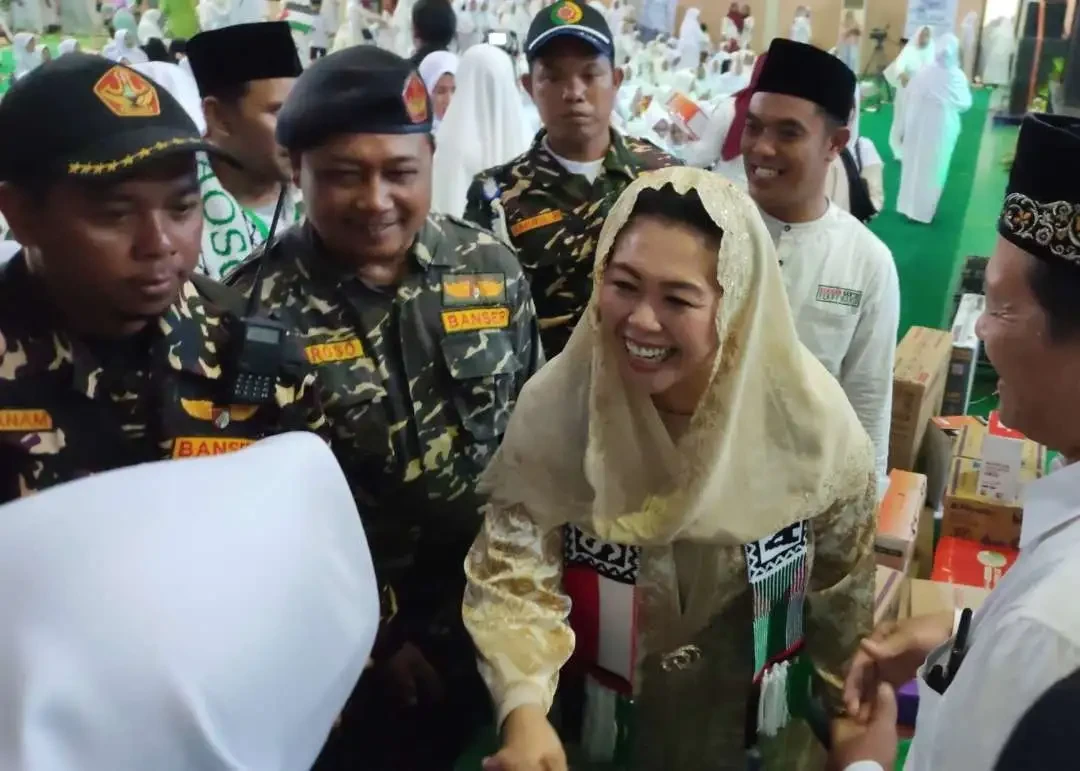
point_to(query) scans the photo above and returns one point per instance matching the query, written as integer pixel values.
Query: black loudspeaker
(1053, 22)
(1052, 48)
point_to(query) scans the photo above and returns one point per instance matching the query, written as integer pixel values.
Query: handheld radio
(257, 351)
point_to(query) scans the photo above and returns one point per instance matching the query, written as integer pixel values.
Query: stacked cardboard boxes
(919, 378)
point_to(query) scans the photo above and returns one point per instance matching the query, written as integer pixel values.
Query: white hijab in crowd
(692, 39)
(122, 48)
(26, 59)
(435, 65)
(998, 47)
(936, 98)
(68, 45)
(801, 31)
(150, 26)
(484, 126)
(208, 614)
(180, 83)
(969, 28)
(911, 60)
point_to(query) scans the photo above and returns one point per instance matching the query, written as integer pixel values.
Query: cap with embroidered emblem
(84, 116)
(568, 18)
(359, 90)
(1041, 214)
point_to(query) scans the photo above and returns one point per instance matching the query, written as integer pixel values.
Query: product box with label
(965, 355)
(938, 450)
(971, 564)
(991, 467)
(889, 584)
(919, 374)
(898, 519)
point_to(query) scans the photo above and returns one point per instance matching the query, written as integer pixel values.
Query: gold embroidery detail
(78, 168)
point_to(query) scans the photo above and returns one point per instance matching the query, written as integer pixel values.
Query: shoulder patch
(490, 189)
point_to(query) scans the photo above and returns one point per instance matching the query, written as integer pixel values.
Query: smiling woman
(631, 529)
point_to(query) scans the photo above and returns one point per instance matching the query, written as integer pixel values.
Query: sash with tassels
(601, 579)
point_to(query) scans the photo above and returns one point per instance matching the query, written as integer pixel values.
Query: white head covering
(210, 614)
(691, 38)
(944, 81)
(584, 448)
(122, 48)
(150, 26)
(25, 60)
(484, 127)
(912, 58)
(435, 65)
(67, 46)
(180, 83)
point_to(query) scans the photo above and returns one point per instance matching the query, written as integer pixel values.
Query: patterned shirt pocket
(483, 365)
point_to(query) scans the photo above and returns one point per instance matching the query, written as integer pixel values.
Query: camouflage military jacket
(69, 409)
(417, 381)
(553, 218)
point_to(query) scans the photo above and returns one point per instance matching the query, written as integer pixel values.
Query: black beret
(107, 120)
(798, 69)
(567, 18)
(1041, 214)
(232, 56)
(359, 90)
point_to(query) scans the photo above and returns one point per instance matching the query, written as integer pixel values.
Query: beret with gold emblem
(84, 116)
(568, 18)
(359, 90)
(1041, 214)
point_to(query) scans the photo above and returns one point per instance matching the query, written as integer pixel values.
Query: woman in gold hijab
(682, 509)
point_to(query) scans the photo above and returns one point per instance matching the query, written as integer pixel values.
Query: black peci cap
(568, 18)
(798, 69)
(86, 117)
(1041, 214)
(232, 56)
(359, 90)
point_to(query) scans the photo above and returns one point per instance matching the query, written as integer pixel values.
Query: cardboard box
(898, 519)
(919, 375)
(922, 559)
(926, 597)
(971, 564)
(938, 449)
(887, 594)
(965, 355)
(985, 507)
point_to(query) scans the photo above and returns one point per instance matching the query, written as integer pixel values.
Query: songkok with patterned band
(84, 116)
(1041, 214)
(358, 90)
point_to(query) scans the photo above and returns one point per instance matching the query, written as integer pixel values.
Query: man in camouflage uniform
(111, 352)
(551, 202)
(423, 332)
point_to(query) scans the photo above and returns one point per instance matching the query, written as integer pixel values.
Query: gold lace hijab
(772, 442)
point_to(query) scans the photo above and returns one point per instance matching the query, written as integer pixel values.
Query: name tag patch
(25, 420)
(474, 289)
(325, 353)
(204, 446)
(835, 295)
(543, 219)
(475, 318)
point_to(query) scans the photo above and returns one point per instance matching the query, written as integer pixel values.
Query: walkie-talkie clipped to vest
(256, 354)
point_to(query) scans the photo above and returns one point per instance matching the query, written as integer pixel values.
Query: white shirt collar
(1049, 503)
(795, 227)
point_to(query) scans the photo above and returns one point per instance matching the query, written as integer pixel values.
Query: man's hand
(892, 654)
(853, 740)
(412, 677)
(529, 744)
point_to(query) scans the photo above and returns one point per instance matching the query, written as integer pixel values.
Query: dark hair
(681, 208)
(155, 50)
(1056, 286)
(434, 23)
(831, 123)
(227, 93)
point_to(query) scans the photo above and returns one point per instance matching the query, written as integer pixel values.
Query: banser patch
(836, 295)
(127, 94)
(542, 219)
(474, 289)
(327, 353)
(204, 446)
(473, 319)
(567, 12)
(25, 420)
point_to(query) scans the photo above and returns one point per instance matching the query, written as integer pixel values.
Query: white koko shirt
(845, 298)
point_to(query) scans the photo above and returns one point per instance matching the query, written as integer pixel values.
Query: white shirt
(1025, 638)
(845, 299)
(588, 169)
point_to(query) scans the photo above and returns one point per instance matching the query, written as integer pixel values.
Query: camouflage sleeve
(477, 206)
(841, 596)
(526, 330)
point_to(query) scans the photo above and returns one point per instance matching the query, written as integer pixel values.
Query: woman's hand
(892, 654)
(529, 743)
(876, 740)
